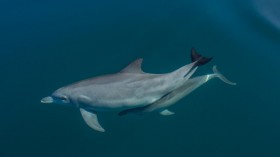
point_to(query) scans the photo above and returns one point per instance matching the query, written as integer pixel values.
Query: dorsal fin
(134, 67)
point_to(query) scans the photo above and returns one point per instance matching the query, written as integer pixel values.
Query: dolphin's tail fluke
(199, 58)
(221, 76)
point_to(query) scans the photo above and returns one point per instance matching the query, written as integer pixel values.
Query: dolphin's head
(60, 96)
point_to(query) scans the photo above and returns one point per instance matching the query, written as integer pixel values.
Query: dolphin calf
(190, 85)
(130, 90)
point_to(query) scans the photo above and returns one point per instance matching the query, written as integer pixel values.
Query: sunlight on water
(269, 10)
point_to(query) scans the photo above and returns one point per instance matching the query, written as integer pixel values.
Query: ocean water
(48, 44)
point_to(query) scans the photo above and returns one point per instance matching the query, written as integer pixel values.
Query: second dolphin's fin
(92, 120)
(166, 112)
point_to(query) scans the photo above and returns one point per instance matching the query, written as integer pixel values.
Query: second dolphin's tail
(221, 76)
(199, 58)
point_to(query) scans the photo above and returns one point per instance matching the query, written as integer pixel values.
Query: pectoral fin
(166, 112)
(92, 120)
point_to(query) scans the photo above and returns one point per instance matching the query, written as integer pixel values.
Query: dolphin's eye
(64, 99)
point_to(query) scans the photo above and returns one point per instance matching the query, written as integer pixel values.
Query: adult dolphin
(127, 89)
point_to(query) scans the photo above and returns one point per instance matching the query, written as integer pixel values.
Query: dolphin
(130, 88)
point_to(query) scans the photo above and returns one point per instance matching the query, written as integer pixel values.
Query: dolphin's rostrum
(132, 91)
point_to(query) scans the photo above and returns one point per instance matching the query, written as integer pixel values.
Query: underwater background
(48, 44)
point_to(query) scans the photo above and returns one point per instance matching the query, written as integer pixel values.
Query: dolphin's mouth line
(47, 100)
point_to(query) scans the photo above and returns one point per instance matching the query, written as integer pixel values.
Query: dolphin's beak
(47, 100)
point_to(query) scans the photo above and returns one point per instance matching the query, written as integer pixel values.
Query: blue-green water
(48, 44)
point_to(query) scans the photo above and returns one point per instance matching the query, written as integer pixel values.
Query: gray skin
(129, 88)
(189, 85)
